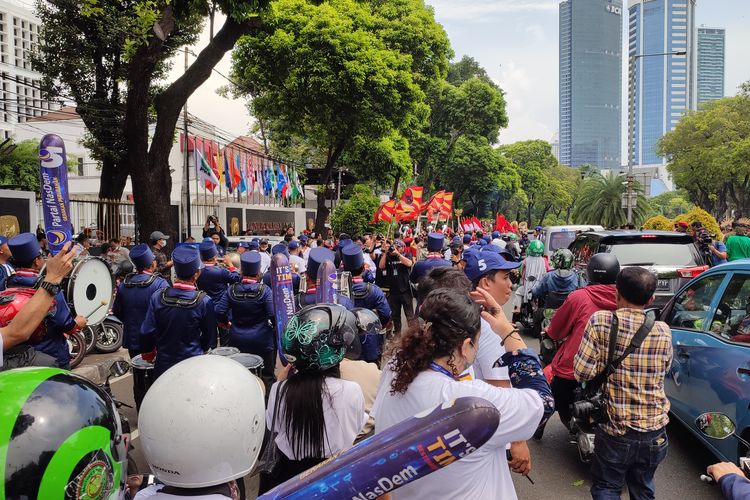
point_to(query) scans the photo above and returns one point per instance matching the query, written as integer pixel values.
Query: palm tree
(600, 202)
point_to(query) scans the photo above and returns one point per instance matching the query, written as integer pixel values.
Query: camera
(592, 408)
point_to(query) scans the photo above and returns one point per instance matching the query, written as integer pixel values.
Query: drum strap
(236, 294)
(180, 302)
(128, 281)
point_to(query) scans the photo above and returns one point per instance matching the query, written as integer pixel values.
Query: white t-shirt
(265, 262)
(488, 352)
(482, 475)
(343, 411)
(153, 493)
(300, 264)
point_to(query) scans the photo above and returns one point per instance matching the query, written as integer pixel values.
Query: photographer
(393, 269)
(631, 440)
(713, 252)
(216, 233)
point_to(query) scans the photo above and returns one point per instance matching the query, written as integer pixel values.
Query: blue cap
(316, 257)
(435, 242)
(491, 248)
(208, 250)
(482, 242)
(487, 238)
(303, 237)
(280, 248)
(3, 239)
(250, 263)
(539, 228)
(253, 245)
(142, 256)
(480, 263)
(293, 245)
(467, 238)
(243, 244)
(24, 248)
(186, 260)
(352, 257)
(345, 243)
(495, 234)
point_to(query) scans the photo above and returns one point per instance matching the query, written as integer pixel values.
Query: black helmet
(368, 324)
(602, 269)
(318, 336)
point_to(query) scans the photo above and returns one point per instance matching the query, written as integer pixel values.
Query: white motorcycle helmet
(202, 422)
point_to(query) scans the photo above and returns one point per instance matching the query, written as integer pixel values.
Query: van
(555, 237)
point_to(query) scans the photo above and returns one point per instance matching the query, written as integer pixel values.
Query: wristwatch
(51, 288)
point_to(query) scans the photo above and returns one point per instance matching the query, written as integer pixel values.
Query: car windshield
(654, 253)
(561, 239)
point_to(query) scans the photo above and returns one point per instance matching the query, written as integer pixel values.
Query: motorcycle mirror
(715, 425)
(119, 368)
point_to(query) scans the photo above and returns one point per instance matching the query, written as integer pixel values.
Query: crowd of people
(354, 367)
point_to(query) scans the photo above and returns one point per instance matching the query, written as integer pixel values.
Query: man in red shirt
(569, 322)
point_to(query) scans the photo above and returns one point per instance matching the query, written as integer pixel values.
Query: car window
(732, 317)
(655, 254)
(561, 239)
(583, 248)
(693, 305)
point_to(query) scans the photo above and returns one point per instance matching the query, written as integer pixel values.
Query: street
(555, 464)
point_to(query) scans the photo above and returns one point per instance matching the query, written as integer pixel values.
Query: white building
(20, 94)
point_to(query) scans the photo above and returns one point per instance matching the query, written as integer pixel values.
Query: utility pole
(186, 168)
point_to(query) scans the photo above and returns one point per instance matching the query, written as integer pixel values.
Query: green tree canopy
(670, 203)
(353, 216)
(20, 168)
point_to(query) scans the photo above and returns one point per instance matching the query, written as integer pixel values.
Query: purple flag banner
(325, 293)
(397, 456)
(283, 296)
(53, 179)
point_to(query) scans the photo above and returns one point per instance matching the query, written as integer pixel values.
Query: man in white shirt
(265, 257)
(299, 265)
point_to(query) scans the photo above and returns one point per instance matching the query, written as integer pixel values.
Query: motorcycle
(109, 334)
(719, 426)
(76, 348)
(548, 347)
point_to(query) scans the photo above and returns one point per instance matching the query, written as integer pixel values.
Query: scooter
(719, 426)
(583, 424)
(548, 347)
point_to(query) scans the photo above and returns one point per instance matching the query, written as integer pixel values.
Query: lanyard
(436, 367)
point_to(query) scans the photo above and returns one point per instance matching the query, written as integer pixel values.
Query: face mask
(163, 243)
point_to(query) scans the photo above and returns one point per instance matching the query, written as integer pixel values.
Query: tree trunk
(113, 178)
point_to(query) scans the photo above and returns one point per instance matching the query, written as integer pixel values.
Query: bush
(659, 223)
(354, 215)
(705, 218)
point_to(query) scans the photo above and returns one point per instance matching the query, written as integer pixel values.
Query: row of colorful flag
(241, 171)
(440, 206)
(474, 224)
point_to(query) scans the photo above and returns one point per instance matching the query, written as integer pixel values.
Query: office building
(590, 82)
(20, 93)
(711, 50)
(661, 87)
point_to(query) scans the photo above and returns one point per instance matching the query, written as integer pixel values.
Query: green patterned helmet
(535, 248)
(562, 258)
(318, 336)
(60, 437)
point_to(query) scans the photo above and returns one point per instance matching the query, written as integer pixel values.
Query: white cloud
(487, 10)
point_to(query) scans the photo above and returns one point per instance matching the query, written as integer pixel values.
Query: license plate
(663, 284)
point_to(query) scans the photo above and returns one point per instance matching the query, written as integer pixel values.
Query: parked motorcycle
(109, 334)
(548, 347)
(719, 426)
(76, 348)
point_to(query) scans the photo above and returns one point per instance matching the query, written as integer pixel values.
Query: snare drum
(224, 351)
(143, 377)
(252, 362)
(90, 289)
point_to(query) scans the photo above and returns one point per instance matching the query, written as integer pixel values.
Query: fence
(104, 218)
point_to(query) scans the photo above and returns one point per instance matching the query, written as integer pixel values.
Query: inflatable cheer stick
(404, 453)
(53, 184)
(325, 292)
(283, 297)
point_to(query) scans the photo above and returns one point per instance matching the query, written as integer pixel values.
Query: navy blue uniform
(178, 332)
(60, 323)
(370, 296)
(423, 267)
(214, 280)
(131, 305)
(295, 280)
(5, 271)
(249, 306)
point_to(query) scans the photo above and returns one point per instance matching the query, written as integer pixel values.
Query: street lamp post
(631, 120)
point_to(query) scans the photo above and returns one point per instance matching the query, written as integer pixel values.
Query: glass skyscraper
(711, 47)
(590, 82)
(663, 86)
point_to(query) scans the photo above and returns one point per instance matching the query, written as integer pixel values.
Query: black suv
(672, 256)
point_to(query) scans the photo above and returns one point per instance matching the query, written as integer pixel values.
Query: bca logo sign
(614, 9)
(51, 156)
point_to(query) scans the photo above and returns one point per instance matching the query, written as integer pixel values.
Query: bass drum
(90, 289)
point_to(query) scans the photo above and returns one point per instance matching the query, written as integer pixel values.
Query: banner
(283, 296)
(408, 451)
(53, 183)
(410, 205)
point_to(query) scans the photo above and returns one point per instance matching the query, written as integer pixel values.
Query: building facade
(711, 51)
(20, 92)
(590, 82)
(661, 87)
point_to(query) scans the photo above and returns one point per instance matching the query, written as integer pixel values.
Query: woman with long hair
(313, 411)
(426, 369)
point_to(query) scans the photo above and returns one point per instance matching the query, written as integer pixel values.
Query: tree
(327, 73)
(670, 203)
(110, 57)
(708, 155)
(353, 216)
(20, 168)
(600, 202)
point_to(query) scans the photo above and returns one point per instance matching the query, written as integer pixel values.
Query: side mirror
(653, 311)
(119, 368)
(715, 425)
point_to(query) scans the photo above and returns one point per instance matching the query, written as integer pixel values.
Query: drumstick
(104, 303)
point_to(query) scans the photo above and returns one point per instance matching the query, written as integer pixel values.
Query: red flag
(446, 211)
(410, 205)
(191, 142)
(434, 206)
(385, 212)
(477, 223)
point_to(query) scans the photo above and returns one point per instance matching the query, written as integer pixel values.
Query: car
(710, 372)
(673, 257)
(556, 237)
(234, 241)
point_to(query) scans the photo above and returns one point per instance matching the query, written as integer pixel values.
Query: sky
(516, 41)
